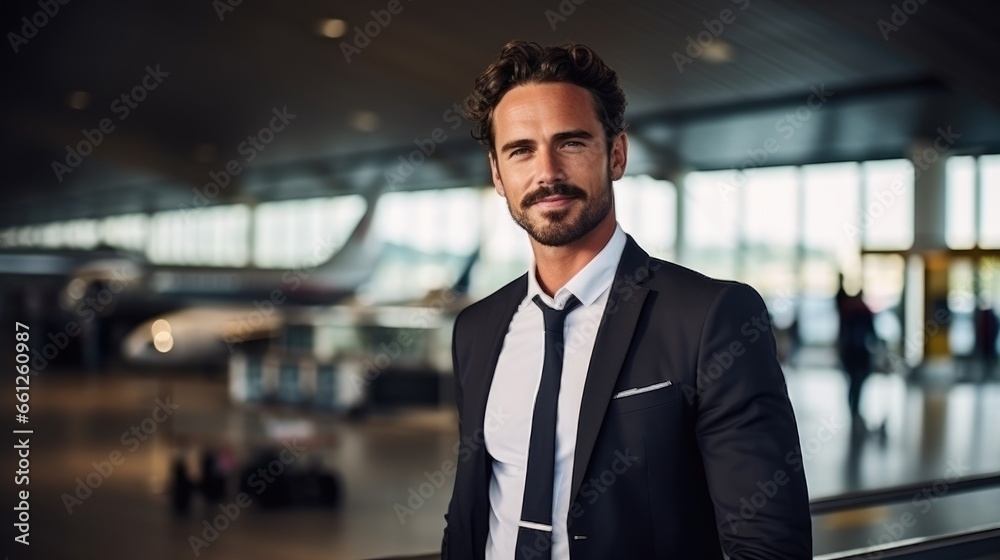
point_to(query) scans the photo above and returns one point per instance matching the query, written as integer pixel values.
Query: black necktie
(534, 535)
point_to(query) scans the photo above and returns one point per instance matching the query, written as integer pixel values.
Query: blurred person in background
(855, 339)
(611, 405)
(987, 327)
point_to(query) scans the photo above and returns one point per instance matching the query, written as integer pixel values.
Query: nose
(550, 168)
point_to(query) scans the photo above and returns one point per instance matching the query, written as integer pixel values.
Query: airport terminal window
(886, 218)
(960, 184)
(990, 210)
(711, 204)
(428, 237)
(127, 231)
(961, 305)
(831, 245)
(301, 233)
(646, 208)
(830, 229)
(440, 220)
(770, 236)
(771, 200)
(883, 291)
(78, 234)
(964, 202)
(505, 253)
(214, 236)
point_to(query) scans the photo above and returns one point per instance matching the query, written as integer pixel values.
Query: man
(611, 405)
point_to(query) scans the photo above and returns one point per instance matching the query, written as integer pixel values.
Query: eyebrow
(525, 143)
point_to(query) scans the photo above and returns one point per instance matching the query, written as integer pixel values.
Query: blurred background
(237, 234)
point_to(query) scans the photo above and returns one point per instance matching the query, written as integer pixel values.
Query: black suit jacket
(707, 463)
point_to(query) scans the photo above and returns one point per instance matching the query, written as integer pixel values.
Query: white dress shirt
(515, 384)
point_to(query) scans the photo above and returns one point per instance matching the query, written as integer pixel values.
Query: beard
(556, 228)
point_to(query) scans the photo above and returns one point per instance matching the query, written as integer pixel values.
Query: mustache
(558, 189)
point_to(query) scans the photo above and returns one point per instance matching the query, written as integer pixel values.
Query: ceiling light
(365, 121)
(79, 100)
(332, 28)
(163, 342)
(718, 52)
(160, 326)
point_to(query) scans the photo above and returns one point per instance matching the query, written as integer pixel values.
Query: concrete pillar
(929, 222)
(930, 196)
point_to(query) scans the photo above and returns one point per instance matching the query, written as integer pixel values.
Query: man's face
(552, 162)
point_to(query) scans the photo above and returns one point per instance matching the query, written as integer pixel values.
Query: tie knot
(556, 318)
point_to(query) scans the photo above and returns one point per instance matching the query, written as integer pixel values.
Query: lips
(555, 196)
(555, 201)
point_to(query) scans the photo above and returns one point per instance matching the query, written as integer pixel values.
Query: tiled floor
(387, 461)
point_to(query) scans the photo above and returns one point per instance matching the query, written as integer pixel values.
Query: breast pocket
(640, 398)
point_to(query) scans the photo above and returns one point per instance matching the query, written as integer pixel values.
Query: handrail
(892, 494)
(976, 541)
(972, 543)
(434, 556)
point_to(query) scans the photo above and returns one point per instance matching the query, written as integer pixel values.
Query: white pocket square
(646, 389)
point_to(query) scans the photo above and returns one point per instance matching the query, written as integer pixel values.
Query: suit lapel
(484, 362)
(614, 335)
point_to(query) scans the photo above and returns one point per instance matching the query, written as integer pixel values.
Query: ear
(619, 156)
(497, 180)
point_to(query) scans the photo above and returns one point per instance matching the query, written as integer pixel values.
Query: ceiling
(229, 69)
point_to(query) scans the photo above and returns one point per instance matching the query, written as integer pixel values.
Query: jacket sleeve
(747, 434)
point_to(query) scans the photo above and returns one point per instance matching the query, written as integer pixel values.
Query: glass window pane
(505, 253)
(711, 210)
(646, 208)
(960, 231)
(303, 233)
(429, 237)
(127, 231)
(831, 234)
(887, 214)
(215, 236)
(770, 203)
(990, 202)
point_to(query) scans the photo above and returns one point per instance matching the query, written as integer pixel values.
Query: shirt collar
(592, 280)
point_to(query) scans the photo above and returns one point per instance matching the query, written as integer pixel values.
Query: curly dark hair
(525, 62)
